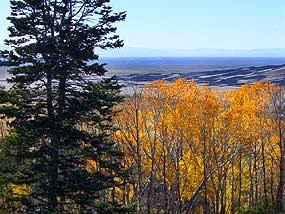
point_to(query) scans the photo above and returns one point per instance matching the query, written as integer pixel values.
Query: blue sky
(191, 24)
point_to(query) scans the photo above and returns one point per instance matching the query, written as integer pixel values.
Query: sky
(195, 24)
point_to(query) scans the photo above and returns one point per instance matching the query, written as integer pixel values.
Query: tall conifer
(60, 120)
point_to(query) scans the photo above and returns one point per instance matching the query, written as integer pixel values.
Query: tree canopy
(59, 113)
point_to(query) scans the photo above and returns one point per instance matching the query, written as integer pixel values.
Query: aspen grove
(198, 150)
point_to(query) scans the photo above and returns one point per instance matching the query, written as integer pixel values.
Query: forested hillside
(196, 150)
(192, 149)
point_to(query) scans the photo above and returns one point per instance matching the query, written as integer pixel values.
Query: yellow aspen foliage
(23, 189)
(195, 145)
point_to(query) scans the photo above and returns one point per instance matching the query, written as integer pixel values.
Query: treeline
(189, 149)
(198, 150)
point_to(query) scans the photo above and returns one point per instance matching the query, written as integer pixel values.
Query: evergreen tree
(60, 120)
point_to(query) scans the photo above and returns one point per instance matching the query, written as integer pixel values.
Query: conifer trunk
(52, 196)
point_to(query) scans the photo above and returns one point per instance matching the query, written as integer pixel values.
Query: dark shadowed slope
(229, 77)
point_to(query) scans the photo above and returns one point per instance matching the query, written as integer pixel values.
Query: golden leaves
(178, 129)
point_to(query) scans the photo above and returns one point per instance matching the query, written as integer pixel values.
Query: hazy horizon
(129, 52)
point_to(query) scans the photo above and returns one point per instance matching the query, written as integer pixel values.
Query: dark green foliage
(59, 118)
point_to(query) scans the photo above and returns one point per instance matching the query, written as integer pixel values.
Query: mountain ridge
(201, 52)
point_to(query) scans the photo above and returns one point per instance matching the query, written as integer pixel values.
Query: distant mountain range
(148, 52)
(128, 52)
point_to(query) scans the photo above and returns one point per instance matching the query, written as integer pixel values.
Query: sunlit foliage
(195, 149)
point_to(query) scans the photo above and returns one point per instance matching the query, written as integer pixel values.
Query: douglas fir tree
(60, 121)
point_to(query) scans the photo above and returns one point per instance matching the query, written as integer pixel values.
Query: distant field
(217, 78)
(218, 72)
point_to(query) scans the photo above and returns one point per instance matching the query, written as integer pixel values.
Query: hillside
(229, 77)
(219, 78)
